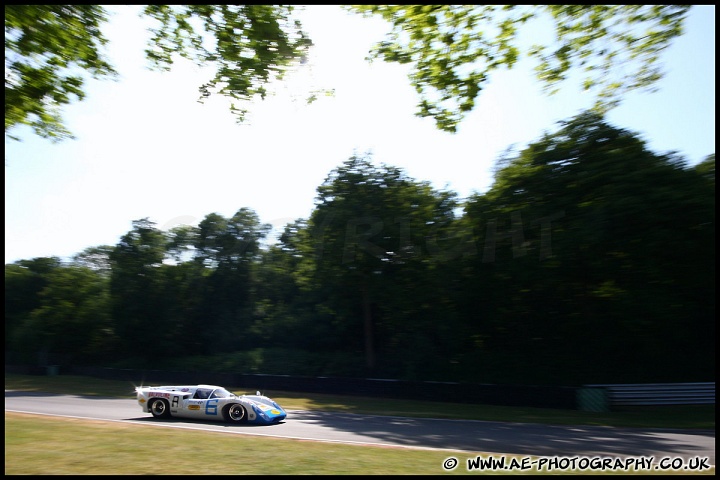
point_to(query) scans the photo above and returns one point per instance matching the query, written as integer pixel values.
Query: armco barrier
(593, 400)
(646, 394)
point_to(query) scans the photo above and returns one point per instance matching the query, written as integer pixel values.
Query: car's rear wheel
(235, 413)
(160, 408)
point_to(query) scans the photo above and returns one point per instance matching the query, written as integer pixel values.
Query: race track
(458, 435)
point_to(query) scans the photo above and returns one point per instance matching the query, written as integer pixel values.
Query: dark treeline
(591, 259)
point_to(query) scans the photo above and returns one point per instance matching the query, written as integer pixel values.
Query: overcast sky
(146, 148)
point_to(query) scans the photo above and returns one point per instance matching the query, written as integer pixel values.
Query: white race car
(209, 402)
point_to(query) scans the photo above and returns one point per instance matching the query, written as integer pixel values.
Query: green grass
(53, 446)
(42, 445)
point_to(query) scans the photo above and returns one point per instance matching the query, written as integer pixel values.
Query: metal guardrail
(701, 393)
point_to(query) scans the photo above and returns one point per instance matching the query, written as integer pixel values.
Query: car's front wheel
(235, 413)
(160, 408)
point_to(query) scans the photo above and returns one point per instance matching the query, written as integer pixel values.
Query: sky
(145, 148)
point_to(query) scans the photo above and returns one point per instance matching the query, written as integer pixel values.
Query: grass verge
(39, 445)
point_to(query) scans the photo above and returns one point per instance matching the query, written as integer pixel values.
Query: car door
(200, 406)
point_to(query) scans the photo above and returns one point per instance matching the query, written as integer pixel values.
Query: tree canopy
(453, 49)
(590, 260)
(47, 48)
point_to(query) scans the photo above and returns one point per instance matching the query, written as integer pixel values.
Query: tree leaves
(48, 51)
(453, 49)
(250, 46)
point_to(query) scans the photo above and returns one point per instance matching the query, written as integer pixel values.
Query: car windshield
(221, 393)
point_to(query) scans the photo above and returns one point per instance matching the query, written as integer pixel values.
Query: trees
(135, 285)
(73, 323)
(449, 47)
(251, 45)
(368, 245)
(590, 260)
(453, 49)
(48, 47)
(594, 276)
(56, 313)
(190, 287)
(229, 246)
(24, 281)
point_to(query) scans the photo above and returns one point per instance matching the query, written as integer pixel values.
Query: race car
(209, 402)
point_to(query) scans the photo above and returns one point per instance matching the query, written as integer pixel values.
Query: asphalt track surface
(478, 437)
